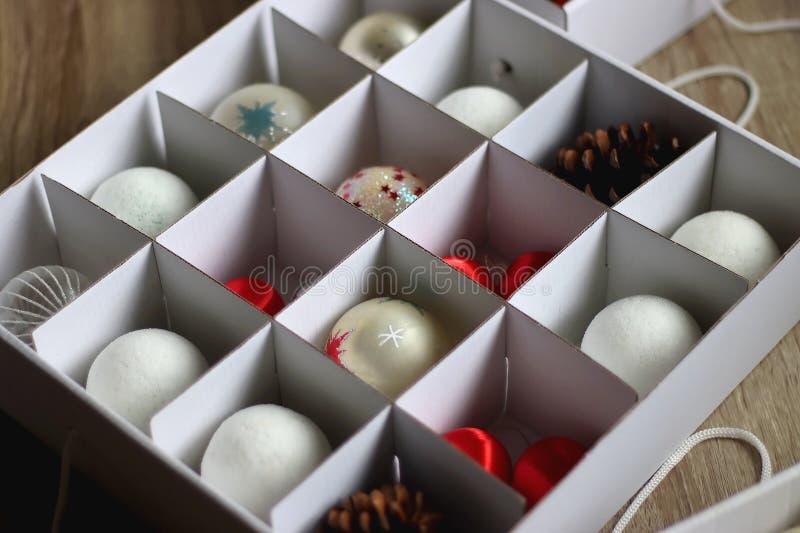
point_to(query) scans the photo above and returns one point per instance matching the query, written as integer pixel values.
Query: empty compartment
(395, 448)
(171, 137)
(152, 289)
(597, 95)
(377, 124)
(494, 207)
(272, 367)
(331, 19)
(260, 46)
(285, 230)
(484, 43)
(46, 225)
(521, 384)
(727, 171)
(389, 267)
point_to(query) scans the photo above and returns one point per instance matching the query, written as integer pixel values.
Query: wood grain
(63, 63)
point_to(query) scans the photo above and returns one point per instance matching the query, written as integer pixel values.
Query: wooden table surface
(63, 63)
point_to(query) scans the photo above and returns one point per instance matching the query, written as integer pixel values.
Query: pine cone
(610, 164)
(388, 509)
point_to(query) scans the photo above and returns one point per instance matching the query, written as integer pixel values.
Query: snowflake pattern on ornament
(259, 121)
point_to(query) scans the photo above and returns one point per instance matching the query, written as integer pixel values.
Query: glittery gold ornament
(382, 192)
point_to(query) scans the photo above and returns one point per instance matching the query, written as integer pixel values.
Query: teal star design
(259, 121)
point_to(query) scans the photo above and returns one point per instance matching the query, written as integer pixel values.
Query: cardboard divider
(273, 366)
(176, 138)
(521, 383)
(390, 265)
(616, 258)
(719, 175)
(495, 206)
(377, 124)
(616, 468)
(330, 19)
(153, 289)
(467, 46)
(306, 233)
(264, 47)
(596, 95)
(451, 483)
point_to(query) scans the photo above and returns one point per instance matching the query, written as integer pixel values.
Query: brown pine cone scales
(609, 164)
(392, 508)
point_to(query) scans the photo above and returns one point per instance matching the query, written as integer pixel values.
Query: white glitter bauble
(732, 240)
(388, 343)
(263, 113)
(142, 371)
(377, 37)
(640, 339)
(31, 298)
(149, 199)
(259, 454)
(383, 192)
(482, 108)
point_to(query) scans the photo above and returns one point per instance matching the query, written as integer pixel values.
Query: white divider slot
(377, 124)
(552, 388)
(153, 289)
(467, 46)
(177, 139)
(495, 206)
(291, 245)
(718, 174)
(273, 366)
(330, 19)
(390, 265)
(596, 95)
(261, 46)
(616, 258)
(452, 484)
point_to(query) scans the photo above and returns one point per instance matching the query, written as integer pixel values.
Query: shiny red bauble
(471, 268)
(521, 270)
(484, 449)
(259, 293)
(543, 465)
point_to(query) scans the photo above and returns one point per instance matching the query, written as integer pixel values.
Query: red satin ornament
(259, 293)
(484, 449)
(470, 268)
(560, 2)
(521, 270)
(543, 465)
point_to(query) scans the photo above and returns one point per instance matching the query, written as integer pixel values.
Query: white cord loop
(754, 27)
(680, 453)
(715, 71)
(63, 481)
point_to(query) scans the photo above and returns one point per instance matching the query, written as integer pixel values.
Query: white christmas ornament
(482, 108)
(377, 37)
(387, 342)
(640, 339)
(31, 298)
(263, 113)
(149, 199)
(383, 192)
(259, 454)
(140, 372)
(732, 240)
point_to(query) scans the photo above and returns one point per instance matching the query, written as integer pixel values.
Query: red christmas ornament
(521, 270)
(560, 2)
(484, 449)
(543, 465)
(259, 293)
(470, 268)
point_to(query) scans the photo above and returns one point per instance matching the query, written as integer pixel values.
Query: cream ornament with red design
(382, 192)
(388, 343)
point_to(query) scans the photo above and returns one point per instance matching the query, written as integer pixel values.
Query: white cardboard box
(630, 30)
(514, 366)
